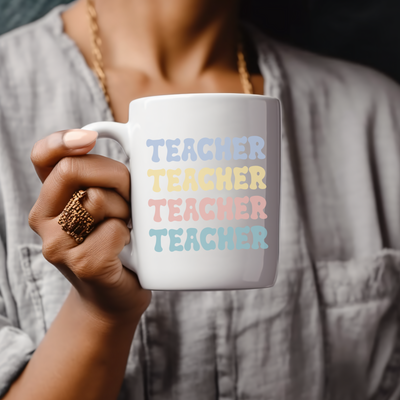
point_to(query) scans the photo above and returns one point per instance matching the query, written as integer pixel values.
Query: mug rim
(204, 95)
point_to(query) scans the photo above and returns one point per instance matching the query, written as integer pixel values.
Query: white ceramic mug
(205, 190)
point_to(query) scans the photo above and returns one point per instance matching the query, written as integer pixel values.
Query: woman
(329, 327)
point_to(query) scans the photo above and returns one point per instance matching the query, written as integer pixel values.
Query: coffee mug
(205, 190)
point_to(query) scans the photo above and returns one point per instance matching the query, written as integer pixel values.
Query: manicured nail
(78, 138)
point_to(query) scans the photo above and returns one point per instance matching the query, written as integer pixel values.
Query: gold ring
(75, 220)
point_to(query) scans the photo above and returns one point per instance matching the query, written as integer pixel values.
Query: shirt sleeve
(16, 347)
(385, 157)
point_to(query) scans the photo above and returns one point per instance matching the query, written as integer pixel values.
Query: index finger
(47, 152)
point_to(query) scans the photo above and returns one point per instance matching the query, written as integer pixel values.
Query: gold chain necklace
(98, 64)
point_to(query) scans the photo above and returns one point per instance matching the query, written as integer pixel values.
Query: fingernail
(78, 138)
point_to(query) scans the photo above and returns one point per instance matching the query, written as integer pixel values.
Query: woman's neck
(154, 47)
(171, 40)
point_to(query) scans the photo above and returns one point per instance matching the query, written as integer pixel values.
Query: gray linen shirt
(329, 328)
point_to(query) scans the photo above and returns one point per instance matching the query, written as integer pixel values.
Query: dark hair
(279, 18)
(365, 32)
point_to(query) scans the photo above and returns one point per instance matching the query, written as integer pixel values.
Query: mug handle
(119, 133)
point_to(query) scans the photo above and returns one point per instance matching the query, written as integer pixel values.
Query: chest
(123, 86)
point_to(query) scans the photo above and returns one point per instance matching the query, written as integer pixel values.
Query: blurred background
(363, 31)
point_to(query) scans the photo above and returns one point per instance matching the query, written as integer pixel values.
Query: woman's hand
(106, 289)
(84, 353)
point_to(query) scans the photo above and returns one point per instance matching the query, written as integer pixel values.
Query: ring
(75, 220)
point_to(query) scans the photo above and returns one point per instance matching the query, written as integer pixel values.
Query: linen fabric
(328, 329)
